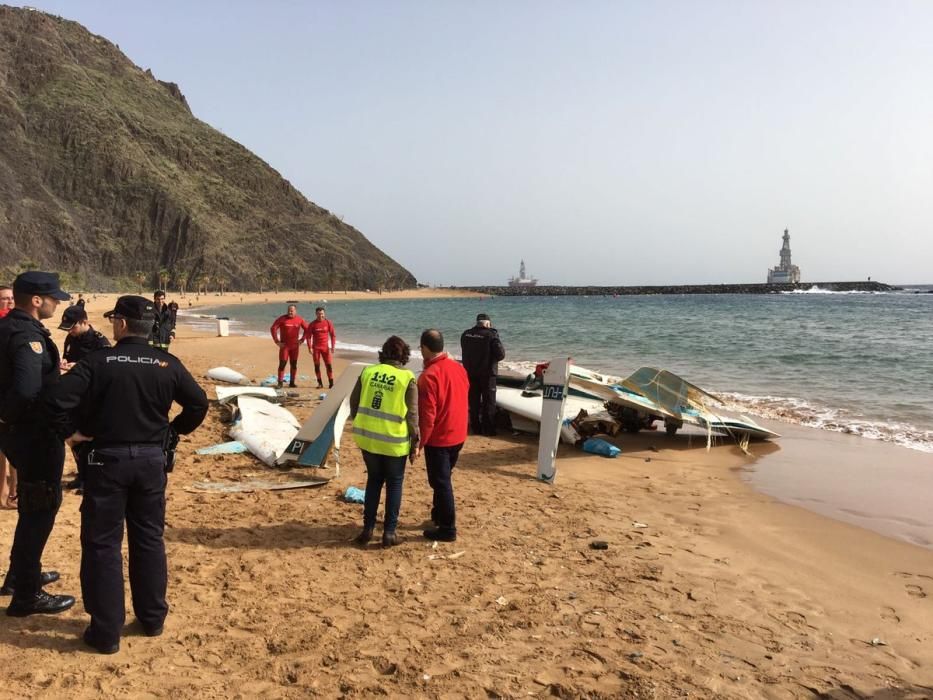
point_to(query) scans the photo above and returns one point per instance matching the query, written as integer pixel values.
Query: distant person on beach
(163, 324)
(29, 366)
(482, 351)
(384, 409)
(322, 343)
(443, 390)
(288, 331)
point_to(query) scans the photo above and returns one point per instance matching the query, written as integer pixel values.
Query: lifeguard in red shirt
(288, 332)
(321, 344)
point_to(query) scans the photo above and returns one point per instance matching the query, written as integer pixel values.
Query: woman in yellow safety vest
(384, 409)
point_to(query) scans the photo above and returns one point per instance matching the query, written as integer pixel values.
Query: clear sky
(603, 142)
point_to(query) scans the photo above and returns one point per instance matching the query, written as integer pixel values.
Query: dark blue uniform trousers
(440, 462)
(129, 485)
(482, 404)
(38, 457)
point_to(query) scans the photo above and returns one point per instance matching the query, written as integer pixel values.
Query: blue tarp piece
(598, 446)
(224, 448)
(272, 379)
(354, 495)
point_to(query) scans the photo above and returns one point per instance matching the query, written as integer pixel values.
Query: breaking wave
(819, 290)
(837, 420)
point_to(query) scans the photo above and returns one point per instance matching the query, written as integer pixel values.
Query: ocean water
(851, 362)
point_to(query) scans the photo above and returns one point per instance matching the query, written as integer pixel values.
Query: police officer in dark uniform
(163, 323)
(482, 351)
(29, 366)
(82, 338)
(114, 404)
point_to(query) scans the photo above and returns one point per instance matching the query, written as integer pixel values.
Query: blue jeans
(382, 469)
(440, 462)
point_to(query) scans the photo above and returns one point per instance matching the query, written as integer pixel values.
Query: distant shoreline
(561, 290)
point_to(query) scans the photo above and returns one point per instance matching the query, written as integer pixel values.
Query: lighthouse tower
(522, 280)
(786, 272)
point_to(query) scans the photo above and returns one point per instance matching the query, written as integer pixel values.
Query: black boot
(45, 578)
(40, 603)
(440, 534)
(100, 646)
(389, 539)
(364, 537)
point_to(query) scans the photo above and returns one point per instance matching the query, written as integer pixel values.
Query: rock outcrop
(105, 174)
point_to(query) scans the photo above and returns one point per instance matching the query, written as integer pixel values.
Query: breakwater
(556, 291)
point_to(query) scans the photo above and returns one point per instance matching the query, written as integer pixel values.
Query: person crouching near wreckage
(384, 409)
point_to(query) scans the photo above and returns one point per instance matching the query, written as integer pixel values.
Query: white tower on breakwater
(522, 280)
(785, 273)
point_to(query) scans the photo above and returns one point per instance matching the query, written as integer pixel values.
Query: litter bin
(223, 326)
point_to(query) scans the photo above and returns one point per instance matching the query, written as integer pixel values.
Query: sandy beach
(708, 588)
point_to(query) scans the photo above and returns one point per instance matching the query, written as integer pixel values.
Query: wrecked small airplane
(635, 403)
(270, 432)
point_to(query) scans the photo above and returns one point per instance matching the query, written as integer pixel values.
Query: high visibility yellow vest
(379, 425)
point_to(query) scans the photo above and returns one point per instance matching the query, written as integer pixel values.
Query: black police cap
(133, 307)
(44, 284)
(482, 317)
(71, 316)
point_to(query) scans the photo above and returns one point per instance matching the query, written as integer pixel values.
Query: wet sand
(707, 589)
(869, 483)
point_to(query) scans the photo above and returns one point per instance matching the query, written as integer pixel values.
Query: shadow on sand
(289, 535)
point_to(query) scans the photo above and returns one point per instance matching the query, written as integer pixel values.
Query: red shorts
(289, 353)
(322, 354)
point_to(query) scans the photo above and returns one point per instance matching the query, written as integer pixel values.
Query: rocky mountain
(106, 175)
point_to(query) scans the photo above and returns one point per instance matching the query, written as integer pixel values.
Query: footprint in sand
(889, 615)
(914, 590)
(794, 621)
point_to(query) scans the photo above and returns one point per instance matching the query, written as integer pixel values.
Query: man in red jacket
(443, 391)
(288, 332)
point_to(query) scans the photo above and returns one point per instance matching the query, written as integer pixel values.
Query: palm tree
(140, 278)
(182, 279)
(202, 281)
(164, 275)
(25, 266)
